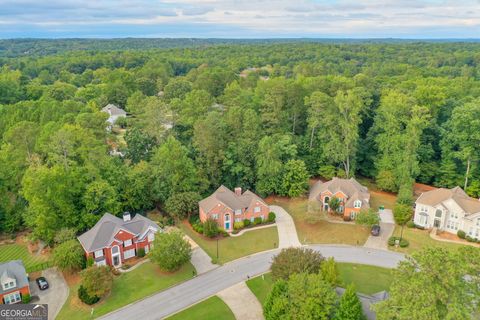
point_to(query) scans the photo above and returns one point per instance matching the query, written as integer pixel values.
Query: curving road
(172, 300)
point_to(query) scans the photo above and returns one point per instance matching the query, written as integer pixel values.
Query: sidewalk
(252, 229)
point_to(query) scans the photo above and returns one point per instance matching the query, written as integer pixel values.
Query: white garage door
(129, 254)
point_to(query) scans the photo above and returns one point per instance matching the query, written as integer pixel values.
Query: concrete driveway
(55, 296)
(387, 225)
(287, 234)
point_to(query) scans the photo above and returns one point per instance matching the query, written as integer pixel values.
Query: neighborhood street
(203, 286)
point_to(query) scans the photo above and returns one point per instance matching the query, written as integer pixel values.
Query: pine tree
(350, 307)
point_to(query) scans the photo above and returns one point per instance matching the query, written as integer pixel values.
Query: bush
(391, 241)
(461, 234)
(257, 221)
(470, 239)
(411, 224)
(26, 298)
(198, 227)
(97, 281)
(141, 252)
(85, 298)
(210, 228)
(403, 243)
(238, 225)
(171, 251)
(295, 260)
(90, 261)
(223, 232)
(246, 223)
(271, 216)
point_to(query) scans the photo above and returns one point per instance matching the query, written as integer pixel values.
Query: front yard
(212, 308)
(19, 251)
(312, 228)
(231, 248)
(128, 287)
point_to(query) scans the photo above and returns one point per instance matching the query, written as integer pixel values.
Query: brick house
(13, 282)
(227, 207)
(113, 240)
(353, 196)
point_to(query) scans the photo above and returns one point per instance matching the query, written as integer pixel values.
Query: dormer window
(357, 204)
(9, 284)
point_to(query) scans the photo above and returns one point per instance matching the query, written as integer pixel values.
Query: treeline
(263, 116)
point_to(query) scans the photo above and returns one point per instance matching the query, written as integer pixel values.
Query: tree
(303, 296)
(69, 256)
(65, 234)
(329, 271)
(100, 197)
(171, 250)
(402, 214)
(334, 204)
(97, 280)
(139, 145)
(295, 178)
(210, 228)
(295, 260)
(367, 218)
(350, 307)
(137, 194)
(319, 103)
(434, 283)
(181, 205)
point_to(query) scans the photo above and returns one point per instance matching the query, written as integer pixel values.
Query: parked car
(42, 283)
(375, 230)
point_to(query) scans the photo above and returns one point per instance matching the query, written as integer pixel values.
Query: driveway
(55, 296)
(287, 234)
(243, 303)
(200, 259)
(210, 283)
(387, 225)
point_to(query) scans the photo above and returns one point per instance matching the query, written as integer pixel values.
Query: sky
(421, 19)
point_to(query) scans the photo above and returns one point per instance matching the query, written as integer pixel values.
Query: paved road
(190, 292)
(287, 234)
(55, 296)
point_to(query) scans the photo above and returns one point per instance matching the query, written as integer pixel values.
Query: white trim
(16, 295)
(95, 255)
(119, 254)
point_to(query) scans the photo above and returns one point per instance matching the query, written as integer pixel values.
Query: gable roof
(350, 187)
(434, 197)
(13, 269)
(113, 110)
(103, 232)
(228, 198)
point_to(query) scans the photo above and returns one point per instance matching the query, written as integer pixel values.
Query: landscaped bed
(212, 308)
(19, 251)
(231, 248)
(144, 281)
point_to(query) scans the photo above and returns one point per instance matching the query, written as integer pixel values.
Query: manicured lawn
(418, 240)
(212, 308)
(312, 228)
(367, 279)
(378, 197)
(127, 288)
(231, 248)
(19, 251)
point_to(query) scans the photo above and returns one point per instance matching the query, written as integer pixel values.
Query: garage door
(129, 254)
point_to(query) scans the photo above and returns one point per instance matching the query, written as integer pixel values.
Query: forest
(263, 116)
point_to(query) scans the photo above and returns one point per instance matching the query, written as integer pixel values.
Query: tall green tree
(350, 307)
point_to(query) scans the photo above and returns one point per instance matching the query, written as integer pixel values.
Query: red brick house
(353, 196)
(227, 207)
(113, 240)
(13, 282)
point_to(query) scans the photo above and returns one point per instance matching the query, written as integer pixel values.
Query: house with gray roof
(448, 210)
(353, 196)
(114, 112)
(113, 240)
(13, 282)
(227, 207)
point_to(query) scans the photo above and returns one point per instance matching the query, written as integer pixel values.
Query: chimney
(126, 216)
(238, 191)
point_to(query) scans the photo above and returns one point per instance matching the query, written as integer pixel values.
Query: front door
(227, 225)
(436, 223)
(116, 260)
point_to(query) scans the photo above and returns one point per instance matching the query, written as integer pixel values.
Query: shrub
(171, 251)
(470, 239)
(238, 225)
(141, 252)
(97, 281)
(26, 298)
(246, 223)
(403, 243)
(295, 260)
(85, 297)
(411, 224)
(461, 234)
(198, 227)
(271, 216)
(210, 228)
(257, 220)
(223, 232)
(90, 261)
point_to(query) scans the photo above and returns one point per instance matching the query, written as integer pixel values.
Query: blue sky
(240, 18)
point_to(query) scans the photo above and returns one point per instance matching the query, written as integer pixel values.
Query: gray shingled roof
(114, 110)
(103, 232)
(13, 269)
(229, 199)
(434, 197)
(350, 187)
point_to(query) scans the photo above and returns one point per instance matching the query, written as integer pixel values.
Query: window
(438, 213)
(12, 298)
(115, 250)
(99, 253)
(251, 219)
(8, 285)
(215, 216)
(238, 211)
(151, 237)
(478, 222)
(340, 208)
(127, 243)
(471, 231)
(227, 217)
(424, 209)
(256, 209)
(357, 204)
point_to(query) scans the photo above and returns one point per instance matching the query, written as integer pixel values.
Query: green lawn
(212, 308)
(19, 251)
(231, 248)
(313, 228)
(419, 239)
(367, 279)
(127, 288)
